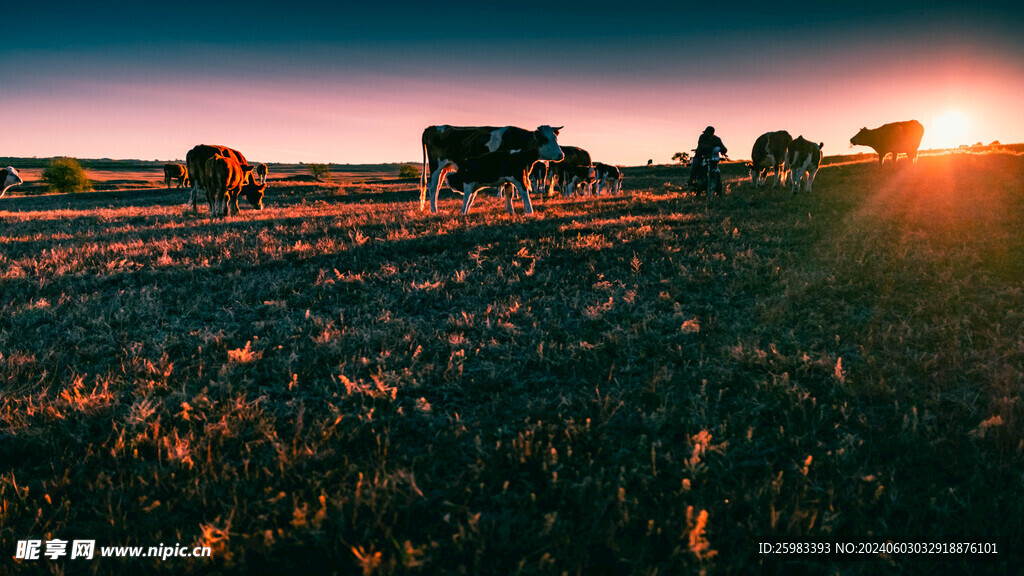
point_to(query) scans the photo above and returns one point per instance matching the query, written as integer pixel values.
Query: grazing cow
(802, 157)
(225, 179)
(445, 147)
(609, 177)
(769, 154)
(494, 170)
(195, 164)
(574, 169)
(9, 177)
(175, 172)
(261, 172)
(892, 139)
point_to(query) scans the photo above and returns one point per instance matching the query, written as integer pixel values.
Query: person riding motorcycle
(706, 144)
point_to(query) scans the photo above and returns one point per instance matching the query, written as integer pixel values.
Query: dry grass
(636, 385)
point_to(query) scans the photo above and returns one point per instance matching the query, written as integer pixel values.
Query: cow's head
(861, 139)
(254, 192)
(547, 138)
(12, 178)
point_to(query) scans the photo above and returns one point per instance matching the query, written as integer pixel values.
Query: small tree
(681, 157)
(409, 171)
(319, 171)
(65, 175)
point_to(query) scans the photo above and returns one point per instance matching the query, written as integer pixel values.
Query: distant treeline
(134, 164)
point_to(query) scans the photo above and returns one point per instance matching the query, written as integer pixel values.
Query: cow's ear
(555, 130)
(246, 168)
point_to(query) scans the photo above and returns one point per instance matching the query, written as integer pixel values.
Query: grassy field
(644, 385)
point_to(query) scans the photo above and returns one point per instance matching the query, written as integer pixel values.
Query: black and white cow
(608, 177)
(446, 147)
(769, 154)
(9, 177)
(573, 170)
(803, 157)
(495, 169)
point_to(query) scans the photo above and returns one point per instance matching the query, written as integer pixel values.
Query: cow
(9, 177)
(175, 172)
(195, 164)
(802, 157)
(225, 179)
(892, 139)
(495, 169)
(608, 176)
(769, 154)
(539, 177)
(573, 169)
(445, 147)
(261, 173)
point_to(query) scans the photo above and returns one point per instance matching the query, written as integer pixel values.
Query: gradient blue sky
(315, 82)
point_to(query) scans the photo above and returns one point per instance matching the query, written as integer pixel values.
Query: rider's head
(710, 130)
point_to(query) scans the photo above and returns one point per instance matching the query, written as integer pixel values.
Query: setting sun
(948, 130)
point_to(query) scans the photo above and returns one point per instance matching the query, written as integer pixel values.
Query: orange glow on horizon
(947, 130)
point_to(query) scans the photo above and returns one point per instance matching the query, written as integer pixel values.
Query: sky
(329, 82)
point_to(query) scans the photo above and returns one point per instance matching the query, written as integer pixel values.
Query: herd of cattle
(513, 160)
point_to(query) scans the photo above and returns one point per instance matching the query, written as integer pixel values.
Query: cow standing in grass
(9, 177)
(445, 147)
(894, 138)
(495, 170)
(195, 164)
(225, 179)
(261, 173)
(803, 157)
(175, 172)
(769, 154)
(607, 177)
(575, 169)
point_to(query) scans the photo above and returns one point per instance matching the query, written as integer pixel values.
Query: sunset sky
(302, 81)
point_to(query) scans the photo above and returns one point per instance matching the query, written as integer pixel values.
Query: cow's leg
(468, 192)
(524, 193)
(435, 183)
(167, 180)
(810, 177)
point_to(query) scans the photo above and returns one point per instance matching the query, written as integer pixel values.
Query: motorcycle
(709, 177)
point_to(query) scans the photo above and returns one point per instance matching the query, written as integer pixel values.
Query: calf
(494, 170)
(608, 176)
(803, 157)
(175, 172)
(225, 179)
(261, 172)
(9, 177)
(769, 154)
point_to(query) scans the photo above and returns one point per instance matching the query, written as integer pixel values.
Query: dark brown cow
(574, 169)
(175, 172)
(9, 177)
(607, 176)
(894, 138)
(195, 164)
(225, 179)
(261, 172)
(445, 147)
(769, 154)
(803, 157)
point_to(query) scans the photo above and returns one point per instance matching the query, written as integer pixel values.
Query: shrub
(409, 171)
(319, 171)
(65, 175)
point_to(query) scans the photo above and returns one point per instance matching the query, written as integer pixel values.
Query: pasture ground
(636, 385)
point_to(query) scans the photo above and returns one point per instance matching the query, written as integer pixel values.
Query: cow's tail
(423, 180)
